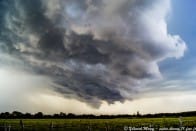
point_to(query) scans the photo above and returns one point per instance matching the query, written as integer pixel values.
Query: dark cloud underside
(92, 50)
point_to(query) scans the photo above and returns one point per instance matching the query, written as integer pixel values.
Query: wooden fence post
(89, 128)
(51, 126)
(9, 127)
(5, 128)
(21, 125)
(180, 121)
(106, 126)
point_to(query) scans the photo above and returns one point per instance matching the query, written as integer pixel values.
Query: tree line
(61, 115)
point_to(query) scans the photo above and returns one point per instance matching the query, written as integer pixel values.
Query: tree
(17, 114)
(39, 115)
(138, 114)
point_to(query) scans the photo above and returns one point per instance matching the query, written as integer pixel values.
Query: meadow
(118, 124)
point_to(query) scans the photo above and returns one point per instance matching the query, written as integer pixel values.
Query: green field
(117, 124)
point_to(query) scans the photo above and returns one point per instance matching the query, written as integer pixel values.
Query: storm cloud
(92, 50)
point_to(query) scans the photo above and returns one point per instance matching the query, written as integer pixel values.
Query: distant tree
(56, 115)
(17, 114)
(39, 115)
(62, 115)
(27, 115)
(5, 115)
(71, 115)
(138, 114)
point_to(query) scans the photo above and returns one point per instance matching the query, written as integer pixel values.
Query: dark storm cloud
(92, 50)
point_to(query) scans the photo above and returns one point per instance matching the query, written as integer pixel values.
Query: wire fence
(64, 127)
(51, 126)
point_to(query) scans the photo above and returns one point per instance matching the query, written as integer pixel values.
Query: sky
(106, 56)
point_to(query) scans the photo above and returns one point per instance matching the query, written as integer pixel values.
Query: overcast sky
(103, 56)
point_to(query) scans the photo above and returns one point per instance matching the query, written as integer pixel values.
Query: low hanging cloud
(92, 50)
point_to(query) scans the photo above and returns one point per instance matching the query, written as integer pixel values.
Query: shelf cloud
(92, 50)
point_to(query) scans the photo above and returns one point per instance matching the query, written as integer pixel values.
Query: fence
(56, 127)
(52, 126)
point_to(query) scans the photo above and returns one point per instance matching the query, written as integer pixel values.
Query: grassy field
(92, 124)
